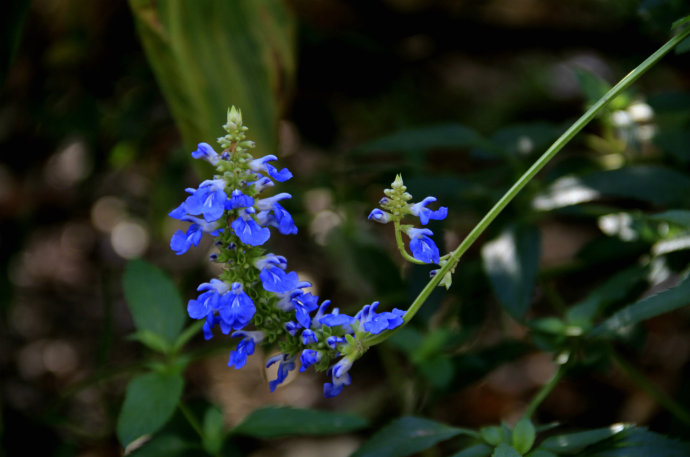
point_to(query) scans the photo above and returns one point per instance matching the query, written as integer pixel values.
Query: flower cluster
(395, 207)
(255, 298)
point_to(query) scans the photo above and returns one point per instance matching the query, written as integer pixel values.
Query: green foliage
(647, 308)
(155, 304)
(209, 55)
(511, 262)
(149, 403)
(407, 435)
(272, 422)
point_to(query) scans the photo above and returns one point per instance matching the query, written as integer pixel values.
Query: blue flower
(208, 304)
(286, 365)
(308, 358)
(262, 165)
(181, 241)
(205, 151)
(238, 200)
(333, 341)
(248, 230)
(379, 216)
(262, 183)
(280, 219)
(335, 319)
(236, 309)
(276, 280)
(304, 303)
(238, 356)
(424, 213)
(309, 337)
(208, 200)
(292, 327)
(339, 378)
(376, 323)
(423, 248)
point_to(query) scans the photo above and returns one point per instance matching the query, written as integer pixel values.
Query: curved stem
(550, 153)
(401, 245)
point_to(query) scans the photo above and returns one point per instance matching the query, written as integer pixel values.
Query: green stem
(191, 418)
(564, 139)
(545, 391)
(650, 388)
(401, 245)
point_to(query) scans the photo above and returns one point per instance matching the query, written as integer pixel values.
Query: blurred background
(102, 102)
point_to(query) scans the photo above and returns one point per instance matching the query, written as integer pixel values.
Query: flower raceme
(255, 297)
(395, 207)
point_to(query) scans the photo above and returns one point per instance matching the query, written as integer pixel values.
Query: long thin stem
(545, 391)
(187, 413)
(550, 153)
(650, 388)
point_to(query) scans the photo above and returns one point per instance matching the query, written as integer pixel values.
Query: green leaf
(188, 334)
(505, 450)
(541, 453)
(407, 435)
(572, 442)
(151, 340)
(493, 435)
(478, 450)
(425, 139)
(154, 301)
(214, 430)
(613, 289)
(640, 442)
(149, 403)
(675, 142)
(647, 183)
(167, 445)
(209, 55)
(511, 261)
(524, 435)
(680, 217)
(646, 308)
(271, 422)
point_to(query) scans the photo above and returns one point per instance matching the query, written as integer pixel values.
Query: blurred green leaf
(209, 55)
(494, 435)
(149, 403)
(523, 139)
(407, 435)
(647, 183)
(675, 142)
(214, 430)
(541, 453)
(425, 139)
(168, 445)
(151, 340)
(478, 450)
(572, 442)
(272, 422)
(524, 435)
(649, 307)
(511, 261)
(505, 450)
(154, 301)
(613, 289)
(680, 217)
(640, 442)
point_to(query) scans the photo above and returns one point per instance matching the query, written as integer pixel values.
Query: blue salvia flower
(422, 246)
(238, 356)
(256, 298)
(424, 213)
